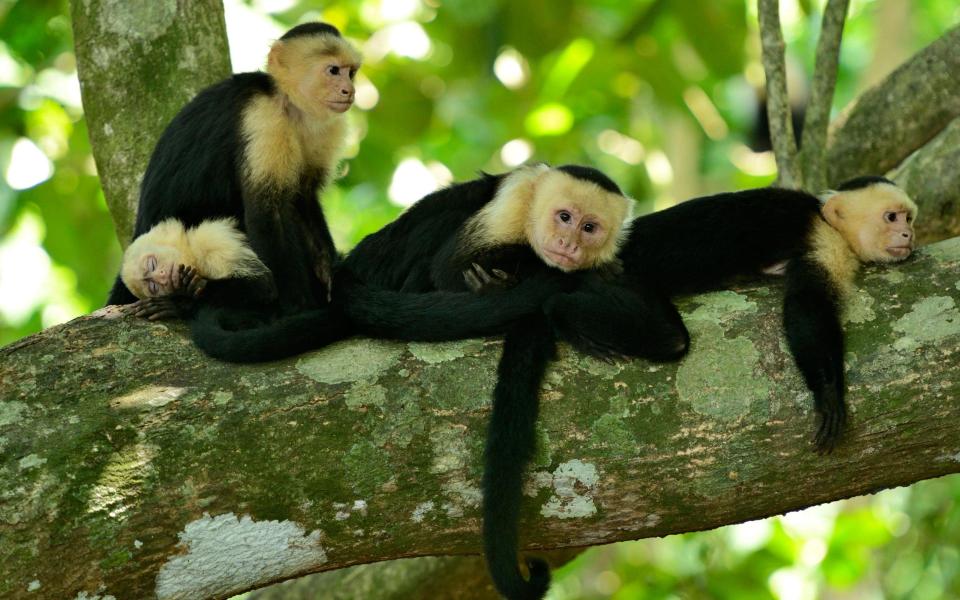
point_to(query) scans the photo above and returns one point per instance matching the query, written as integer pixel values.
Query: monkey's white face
(160, 269)
(570, 236)
(329, 81)
(877, 221)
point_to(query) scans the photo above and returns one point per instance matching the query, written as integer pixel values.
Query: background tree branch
(888, 122)
(138, 66)
(817, 118)
(931, 177)
(134, 467)
(778, 104)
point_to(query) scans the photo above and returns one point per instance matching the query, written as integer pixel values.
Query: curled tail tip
(539, 581)
(514, 587)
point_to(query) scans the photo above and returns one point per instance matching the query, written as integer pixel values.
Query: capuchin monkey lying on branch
(536, 224)
(818, 243)
(256, 148)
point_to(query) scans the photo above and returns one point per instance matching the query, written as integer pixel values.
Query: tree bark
(139, 63)
(133, 467)
(888, 122)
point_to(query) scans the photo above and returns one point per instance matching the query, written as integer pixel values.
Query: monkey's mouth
(340, 105)
(900, 252)
(564, 261)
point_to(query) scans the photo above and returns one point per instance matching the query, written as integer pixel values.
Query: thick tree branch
(817, 118)
(778, 103)
(890, 121)
(138, 65)
(134, 467)
(932, 178)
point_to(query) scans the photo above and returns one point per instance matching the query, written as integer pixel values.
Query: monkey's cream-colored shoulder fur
(221, 250)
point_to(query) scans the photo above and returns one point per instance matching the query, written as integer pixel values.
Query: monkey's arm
(609, 319)
(811, 322)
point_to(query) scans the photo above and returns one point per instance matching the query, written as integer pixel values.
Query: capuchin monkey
(817, 243)
(695, 246)
(538, 224)
(171, 269)
(256, 148)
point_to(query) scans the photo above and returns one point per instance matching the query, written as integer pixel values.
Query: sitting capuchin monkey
(256, 148)
(172, 269)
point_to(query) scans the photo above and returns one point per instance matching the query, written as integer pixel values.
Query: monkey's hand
(481, 282)
(155, 309)
(189, 283)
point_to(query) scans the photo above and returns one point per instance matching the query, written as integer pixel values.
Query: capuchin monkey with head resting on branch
(171, 269)
(256, 148)
(698, 245)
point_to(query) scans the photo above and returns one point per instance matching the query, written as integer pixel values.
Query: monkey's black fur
(511, 441)
(699, 245)
(406, 282)
(195, 173)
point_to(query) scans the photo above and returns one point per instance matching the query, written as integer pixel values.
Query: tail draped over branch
(511, 440)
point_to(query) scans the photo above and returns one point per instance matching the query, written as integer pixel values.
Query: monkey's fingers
(502, 275)
(829, 432)
(482, 274)
(154, 309)
(473, 283)
(196, 286)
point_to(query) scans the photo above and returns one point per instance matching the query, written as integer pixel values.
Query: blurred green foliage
(660, 95)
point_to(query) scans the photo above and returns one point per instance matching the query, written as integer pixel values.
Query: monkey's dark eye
(909, 218)
(353, 73)
(590, 227)
(890, 217)
(564, 216)
(333, 70)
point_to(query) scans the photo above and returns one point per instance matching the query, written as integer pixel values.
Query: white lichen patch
(350, 360)
(33, 585)
(151, 396)
(858, 308)
(420, 512)
(119, 484)
(86, 596)
(30, 461)
(227, 554)
(721, 377)
(10, 412)
(222, 398)
(449, 449)
(436, 353)
(929, 320)
(573, 485)
(949, 458)
(719, 307)
(344, 510)
(143, 20)
(363, 393)
(461, 495)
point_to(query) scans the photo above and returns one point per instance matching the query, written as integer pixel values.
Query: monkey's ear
(275, 56)
(831, 209)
